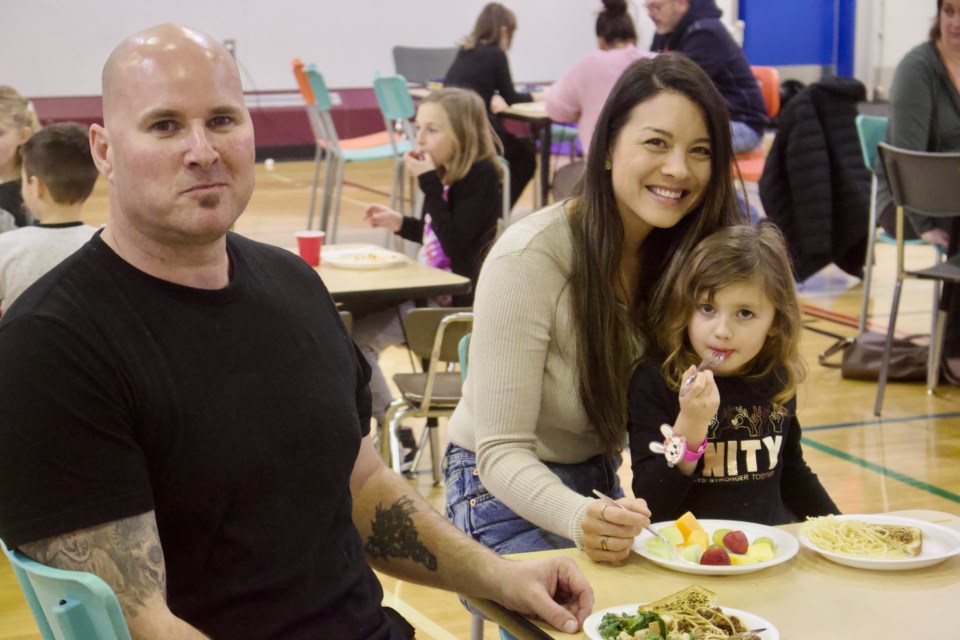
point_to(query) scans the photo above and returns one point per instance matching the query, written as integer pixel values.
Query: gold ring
(603, 543)
(601, 513)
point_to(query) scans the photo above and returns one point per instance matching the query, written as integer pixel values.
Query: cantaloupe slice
(699, 537)
(687, 523)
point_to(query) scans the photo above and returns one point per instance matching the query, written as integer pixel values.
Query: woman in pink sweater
(579, 95)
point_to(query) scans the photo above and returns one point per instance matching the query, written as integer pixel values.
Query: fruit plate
(939, 543)
(786, 546)
(364, 257)
(591, 626)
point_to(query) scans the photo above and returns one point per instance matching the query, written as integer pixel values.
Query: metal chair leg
(435, 454)
(317, 161)
(936, 351)
(885, 367)
(868, 265)
(338, 193)
(389, 438)
(476, 627)
(332, 162)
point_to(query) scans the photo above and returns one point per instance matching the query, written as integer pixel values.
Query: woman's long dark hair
(610, 336)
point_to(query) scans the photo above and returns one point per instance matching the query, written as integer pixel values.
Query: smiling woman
(562, 314)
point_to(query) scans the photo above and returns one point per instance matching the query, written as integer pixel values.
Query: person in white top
(561, 315)
(57, 177)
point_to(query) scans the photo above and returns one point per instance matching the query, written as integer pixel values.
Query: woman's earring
(607, 164)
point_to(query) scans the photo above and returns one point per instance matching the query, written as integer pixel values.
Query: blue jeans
(474, 510)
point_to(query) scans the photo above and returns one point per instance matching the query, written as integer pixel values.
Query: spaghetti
(856, 538)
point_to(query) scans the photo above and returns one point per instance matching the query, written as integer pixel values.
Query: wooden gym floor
(908, 459)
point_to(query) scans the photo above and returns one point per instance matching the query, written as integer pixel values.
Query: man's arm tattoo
(126, 554)
(395, 535)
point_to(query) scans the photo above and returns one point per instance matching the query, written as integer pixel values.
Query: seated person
(185, 416)
(17, 124)
(925, 116)
(58, 176)
(481, 64)
(579, 95)
(735, 435)
(693, 28)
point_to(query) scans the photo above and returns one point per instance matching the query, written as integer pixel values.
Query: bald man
(184, 415)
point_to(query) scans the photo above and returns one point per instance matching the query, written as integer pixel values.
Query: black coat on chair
(815, 186)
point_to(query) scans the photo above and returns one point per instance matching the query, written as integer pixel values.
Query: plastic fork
(656, 534)
(713, 359)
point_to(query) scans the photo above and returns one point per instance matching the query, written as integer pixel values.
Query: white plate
(530, 107)
(371, 257)
(939, 543)
(591, 626)
(785, 543)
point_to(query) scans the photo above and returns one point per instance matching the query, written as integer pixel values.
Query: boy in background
(58, 176)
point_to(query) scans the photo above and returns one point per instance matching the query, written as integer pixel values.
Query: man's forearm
(126, 554)
(406, 538)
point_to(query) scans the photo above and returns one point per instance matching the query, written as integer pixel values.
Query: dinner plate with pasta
(689, 614)
(879, 542)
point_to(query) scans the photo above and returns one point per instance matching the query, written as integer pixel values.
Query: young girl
(734, 302)
(460, 175)
(17, 123)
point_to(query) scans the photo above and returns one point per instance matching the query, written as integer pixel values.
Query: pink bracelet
(691, 456)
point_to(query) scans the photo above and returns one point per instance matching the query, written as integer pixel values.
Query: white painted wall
(886, 31)
(57, 47)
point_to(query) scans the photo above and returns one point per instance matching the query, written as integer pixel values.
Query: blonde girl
(459, 174)
(734, 304)
(17, 123)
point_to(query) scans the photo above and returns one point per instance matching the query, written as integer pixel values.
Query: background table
(535, 114)
(405, 282)
(805, 597)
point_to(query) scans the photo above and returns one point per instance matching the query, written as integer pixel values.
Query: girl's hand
(498, 104)
(608, 530)
(698, 406)
(418, 162)
(381, 216)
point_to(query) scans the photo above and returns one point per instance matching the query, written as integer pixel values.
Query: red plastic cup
(309, 243)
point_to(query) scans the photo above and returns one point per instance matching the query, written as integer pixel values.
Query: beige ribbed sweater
(521, 401)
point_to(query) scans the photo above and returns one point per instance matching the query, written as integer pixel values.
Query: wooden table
(409, 281)
(805, 597)
(535, 114)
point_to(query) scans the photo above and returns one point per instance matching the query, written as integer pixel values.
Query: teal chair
(396, 106)
(463, 349)
(335, 151)
(871, 131)
(68, 605)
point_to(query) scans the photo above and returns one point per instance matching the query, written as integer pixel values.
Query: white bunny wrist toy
(674, 447)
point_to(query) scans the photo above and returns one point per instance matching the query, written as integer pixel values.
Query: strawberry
(715, 554)
(736, 541)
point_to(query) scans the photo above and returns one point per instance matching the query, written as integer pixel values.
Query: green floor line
(866, 464)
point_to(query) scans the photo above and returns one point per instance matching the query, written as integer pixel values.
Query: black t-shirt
(235, 414)
(753, 468)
